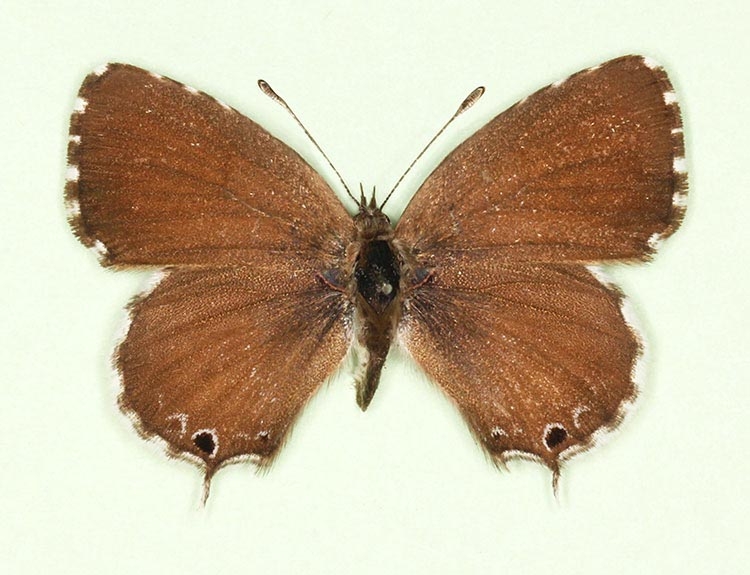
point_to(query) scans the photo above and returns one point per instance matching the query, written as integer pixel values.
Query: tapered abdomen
(377, 273)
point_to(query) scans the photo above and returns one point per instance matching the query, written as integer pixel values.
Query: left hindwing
(219, 362)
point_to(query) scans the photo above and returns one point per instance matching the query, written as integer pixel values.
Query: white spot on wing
(679, 200)
(80, 105)
(670, 97)
(100, 250)
(99, 70)
(155, 75)
(72, 174)
(651, 63)
(73, 208)
(75, 138)
(679, 165)
(655, 241)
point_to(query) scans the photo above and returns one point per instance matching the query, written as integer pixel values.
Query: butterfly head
(371, 222)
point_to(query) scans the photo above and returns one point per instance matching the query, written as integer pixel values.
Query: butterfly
(489, 280)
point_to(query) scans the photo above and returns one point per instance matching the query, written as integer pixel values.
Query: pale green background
(402, 488)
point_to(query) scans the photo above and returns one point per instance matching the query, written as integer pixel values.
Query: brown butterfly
(265, 282)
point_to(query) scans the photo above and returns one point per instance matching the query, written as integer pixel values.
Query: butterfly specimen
(265, 282)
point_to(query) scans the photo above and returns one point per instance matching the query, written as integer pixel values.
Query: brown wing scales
(214, 363)
(586, 170)
(535, 351)
(537, 357)
(255, 308)
(161, 174)
(222, 355)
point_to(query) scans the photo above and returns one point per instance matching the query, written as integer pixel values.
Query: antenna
(468, 102)
(265, 87)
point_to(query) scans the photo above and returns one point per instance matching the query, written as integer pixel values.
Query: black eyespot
(204, 440)
(555, 436)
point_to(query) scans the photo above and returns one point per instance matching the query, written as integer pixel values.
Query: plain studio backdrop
(402, 488)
